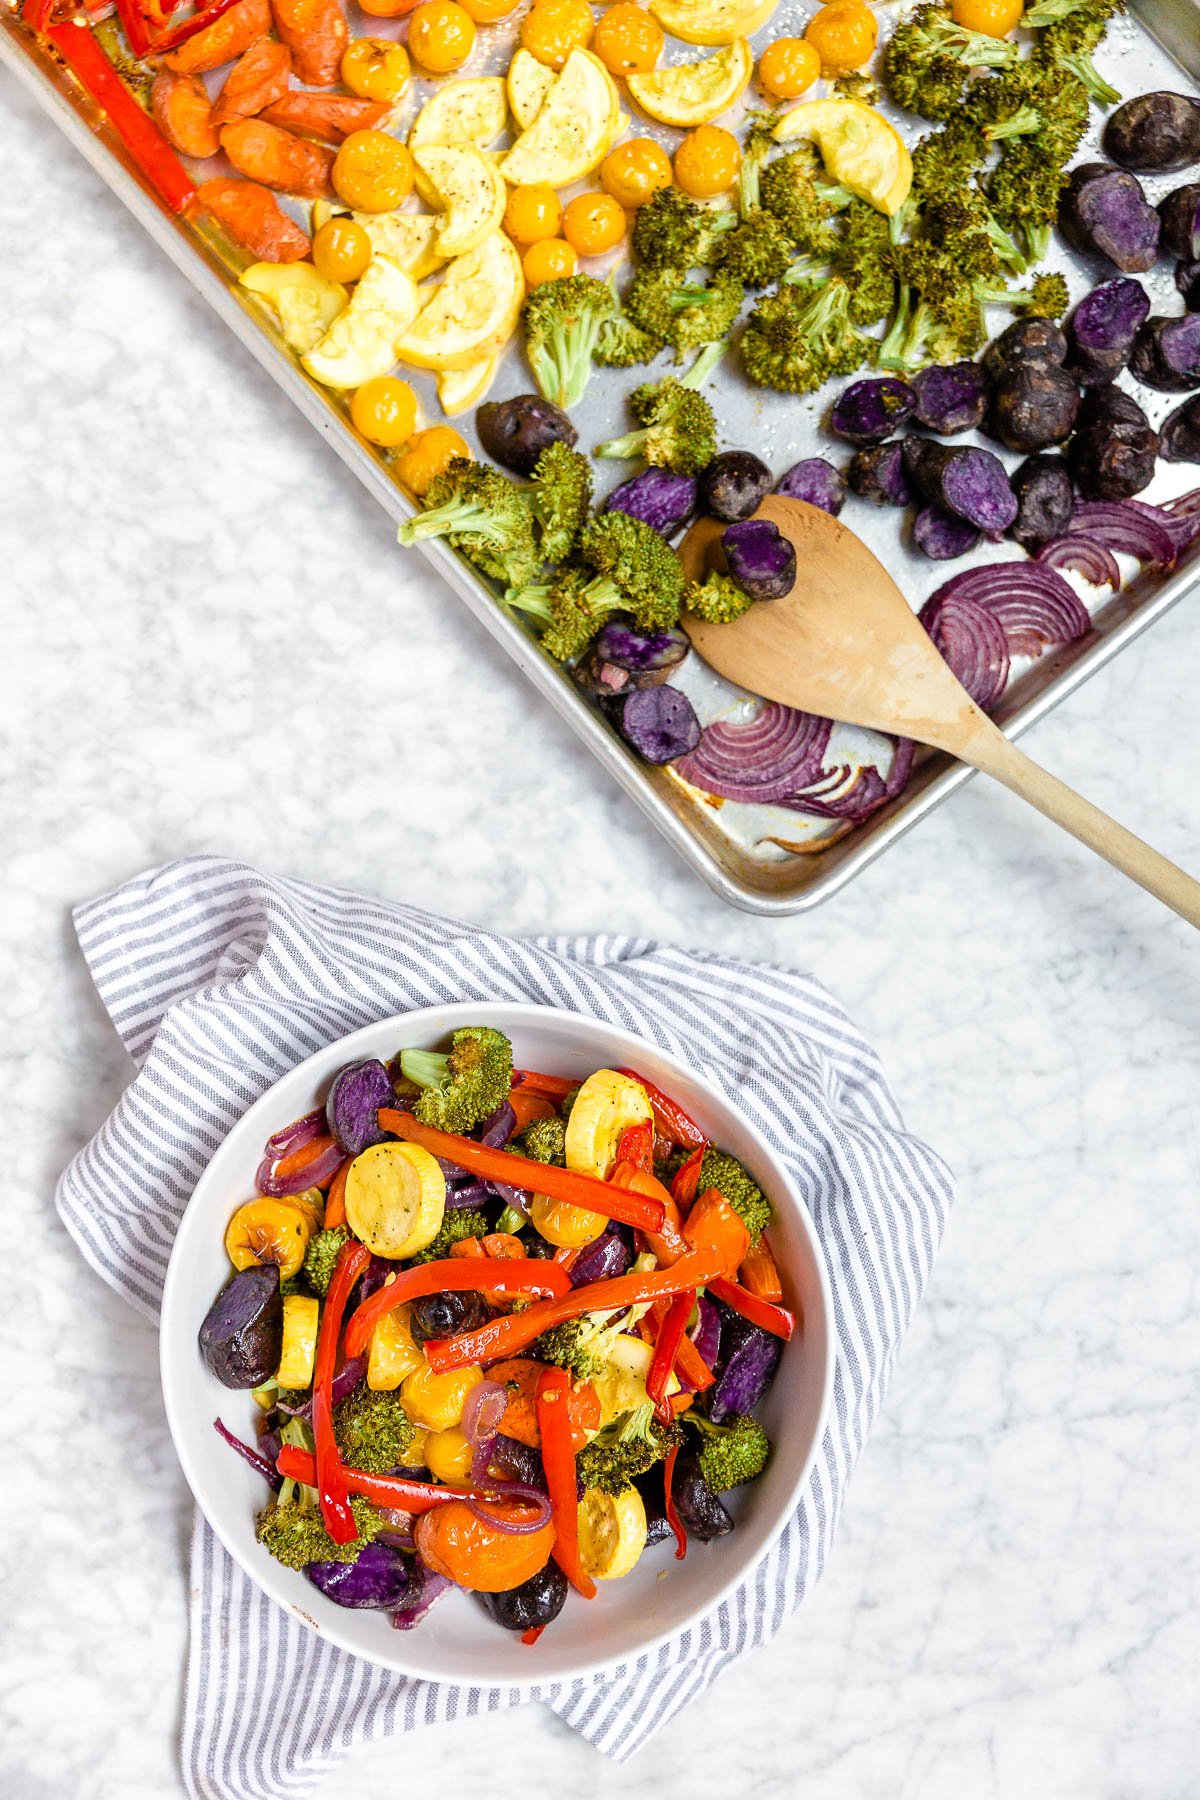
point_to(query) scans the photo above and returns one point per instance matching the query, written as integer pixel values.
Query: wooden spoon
(846, 644)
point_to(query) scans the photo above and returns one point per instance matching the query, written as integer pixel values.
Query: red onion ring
(500, 1493)
(314, 1174)
(293, 1136)
(777, 753)
(1126, 528)
(971, 640)
(271, 1476)
(347, 1378)
(1033, 604)
(1180, 518)
(485, 1408)
(433, 1588)
(1088, 555)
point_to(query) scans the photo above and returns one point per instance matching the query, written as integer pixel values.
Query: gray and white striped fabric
(220, 978)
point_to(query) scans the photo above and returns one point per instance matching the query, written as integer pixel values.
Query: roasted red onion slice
(863, 793)
(1033, 604)
(1179, 518)
(269, 1474)
(1126, 528)
(971, 639)
(314, 1174)
(777, 753)
(347, 1378)
(294, 1136)
(1087, 555)
(484, 1409)
(504, 1492)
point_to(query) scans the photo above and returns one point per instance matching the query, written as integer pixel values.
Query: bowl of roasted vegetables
(495, 1344)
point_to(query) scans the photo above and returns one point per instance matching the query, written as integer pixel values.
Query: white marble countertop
(211, 644)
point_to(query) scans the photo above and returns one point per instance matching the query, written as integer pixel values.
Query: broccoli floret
(685, 315)
(583, 1345)
(621, 343)
(759, 251)
(945, 161)
(857, 86)
(1070, 35)
(726, 1174)
(373, 1431)
(484, 515)
(545, 1140)
(717, 598)
(673, 232)
(1046, 298)
(562, 494)
(940, 317)
(464, 1085)
(789, 193)
(293, 1533)
(757, 146)
(1036, 100)
(929, 57)
(863, 258)
(800, 335)
(320, 1259)
(1023, 192)
(731, 1453)
(457, 1224)
(678, 426)
(624, 1450)
(563, 320)
(642, 564)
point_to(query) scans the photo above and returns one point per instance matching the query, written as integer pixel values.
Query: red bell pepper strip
(141, 137)
(669, 1117)
(331, 1476)
(667, 1243)
(174, 35)
(689, 1364)
(670, 1335)
(533, 1634)
(553, 1086)
(759, 1274)
(673, 1519)
(523, 1172)
(775, 1319)
(636, 1146)
(484, 1274)
(37, 13)
(687, 1179)
(558, 1460)
(398, 1491)
(135, 27)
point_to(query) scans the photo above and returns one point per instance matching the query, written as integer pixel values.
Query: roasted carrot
(759, 1275)
(224, 39)
(529, 1106)
(335, 1200)
(316, 33)
(183, 113)
(254, 219)
(330, 117)
(258, 77)
(265, 153)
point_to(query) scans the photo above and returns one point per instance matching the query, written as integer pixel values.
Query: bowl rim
(438, 1020)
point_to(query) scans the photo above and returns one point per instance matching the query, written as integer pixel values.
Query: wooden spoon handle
(991, 751)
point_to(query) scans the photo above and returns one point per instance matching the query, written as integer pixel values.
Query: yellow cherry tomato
(556, 27)
(448, 1456)
(384, 411)
(533, 212)
(341, 250)
(372, 172)
(563, 1223)
(268, 1231)
(635, 171)
(787, 68)
(843, 34)
(593, 223)
(441, 36)
(486, 12)
(376, 69)
(549, 261)
(627, 40)
(384, 9)
(437, 1401)
(706, 163)
(426, 455)
(993, 18)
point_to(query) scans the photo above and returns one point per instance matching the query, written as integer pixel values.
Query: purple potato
(605, 1256)
(358, 1091)
(868, 411)
(514, 1461)
(536, 1603)
(1102, 329)
(659, 723)
(950, 397)
(1112, 460)
(1045, 501)
(816, 482)
(877, 474)
(242, 1335)
(1187, 280)
(1103, 212)
(745, 1369)
(941, 536)
(1166, 354)
(621, 658)
(761, 560)
(657, 497)
(702, 1512)
(1154, 133)
(1034, 406)
(1109, 405)
(972, 484)
(733, 484)
(515, 432)
(1179, 439)
(1025, 340)
(446, 1313)
(377, 1578)
(1180, 215)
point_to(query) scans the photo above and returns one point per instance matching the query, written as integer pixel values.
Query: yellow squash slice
(688, 94)
(462, 112)
(475, 308)
(605, 1107)
(712, 21)
(305, 303)
(301, 1315)
(408, 238)
(460, 389)
(859, 148)
(612, 1532)
(468, 192)
(529, 81)
(362, 341)
(573, 127)
(395, 1198)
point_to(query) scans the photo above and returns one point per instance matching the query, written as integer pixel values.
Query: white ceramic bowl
(457, 1641)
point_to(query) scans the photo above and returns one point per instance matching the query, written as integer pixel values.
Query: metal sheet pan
(1158, 46)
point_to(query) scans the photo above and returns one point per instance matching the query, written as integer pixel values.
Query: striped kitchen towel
(219, 979)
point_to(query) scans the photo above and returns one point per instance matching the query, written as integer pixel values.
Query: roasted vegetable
(1026, 340)
(658, 497)
(515, 432)
(1187, 280)
(458, 1223)
(877, 474)
(1166, 354)
(733, 485)
(562, 322)
(678, 426)
(464, 1085)
(761, 560)
(970, 483)
(675, 233)
(242, 1334)
(744, 1369)
(1103, 212)
(733, 1180)
(685, 314)
(1023, 192)
(949, 397)
(701, 1512)
(629, 570)
(1101, 330)
(358, 1091)
(533, 1605)
(790, 194)
(929, 58)
(320, 1259)
(941, 536)
(801, 335)
(717, 598)
(1179, 437)
(1035, 99)
(1071, 30)
(622, 1451)
(1045, 501)
(1033, 406)
(1155, 134)
(868, 411)
(484, 515)
(659, 723)
(816, 482)
(373, 1431)
(757, 251)
(560, 496)
(378, 1578)
(1113, 449)
(621, 658)
(294, 1535)
(732, 1453)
